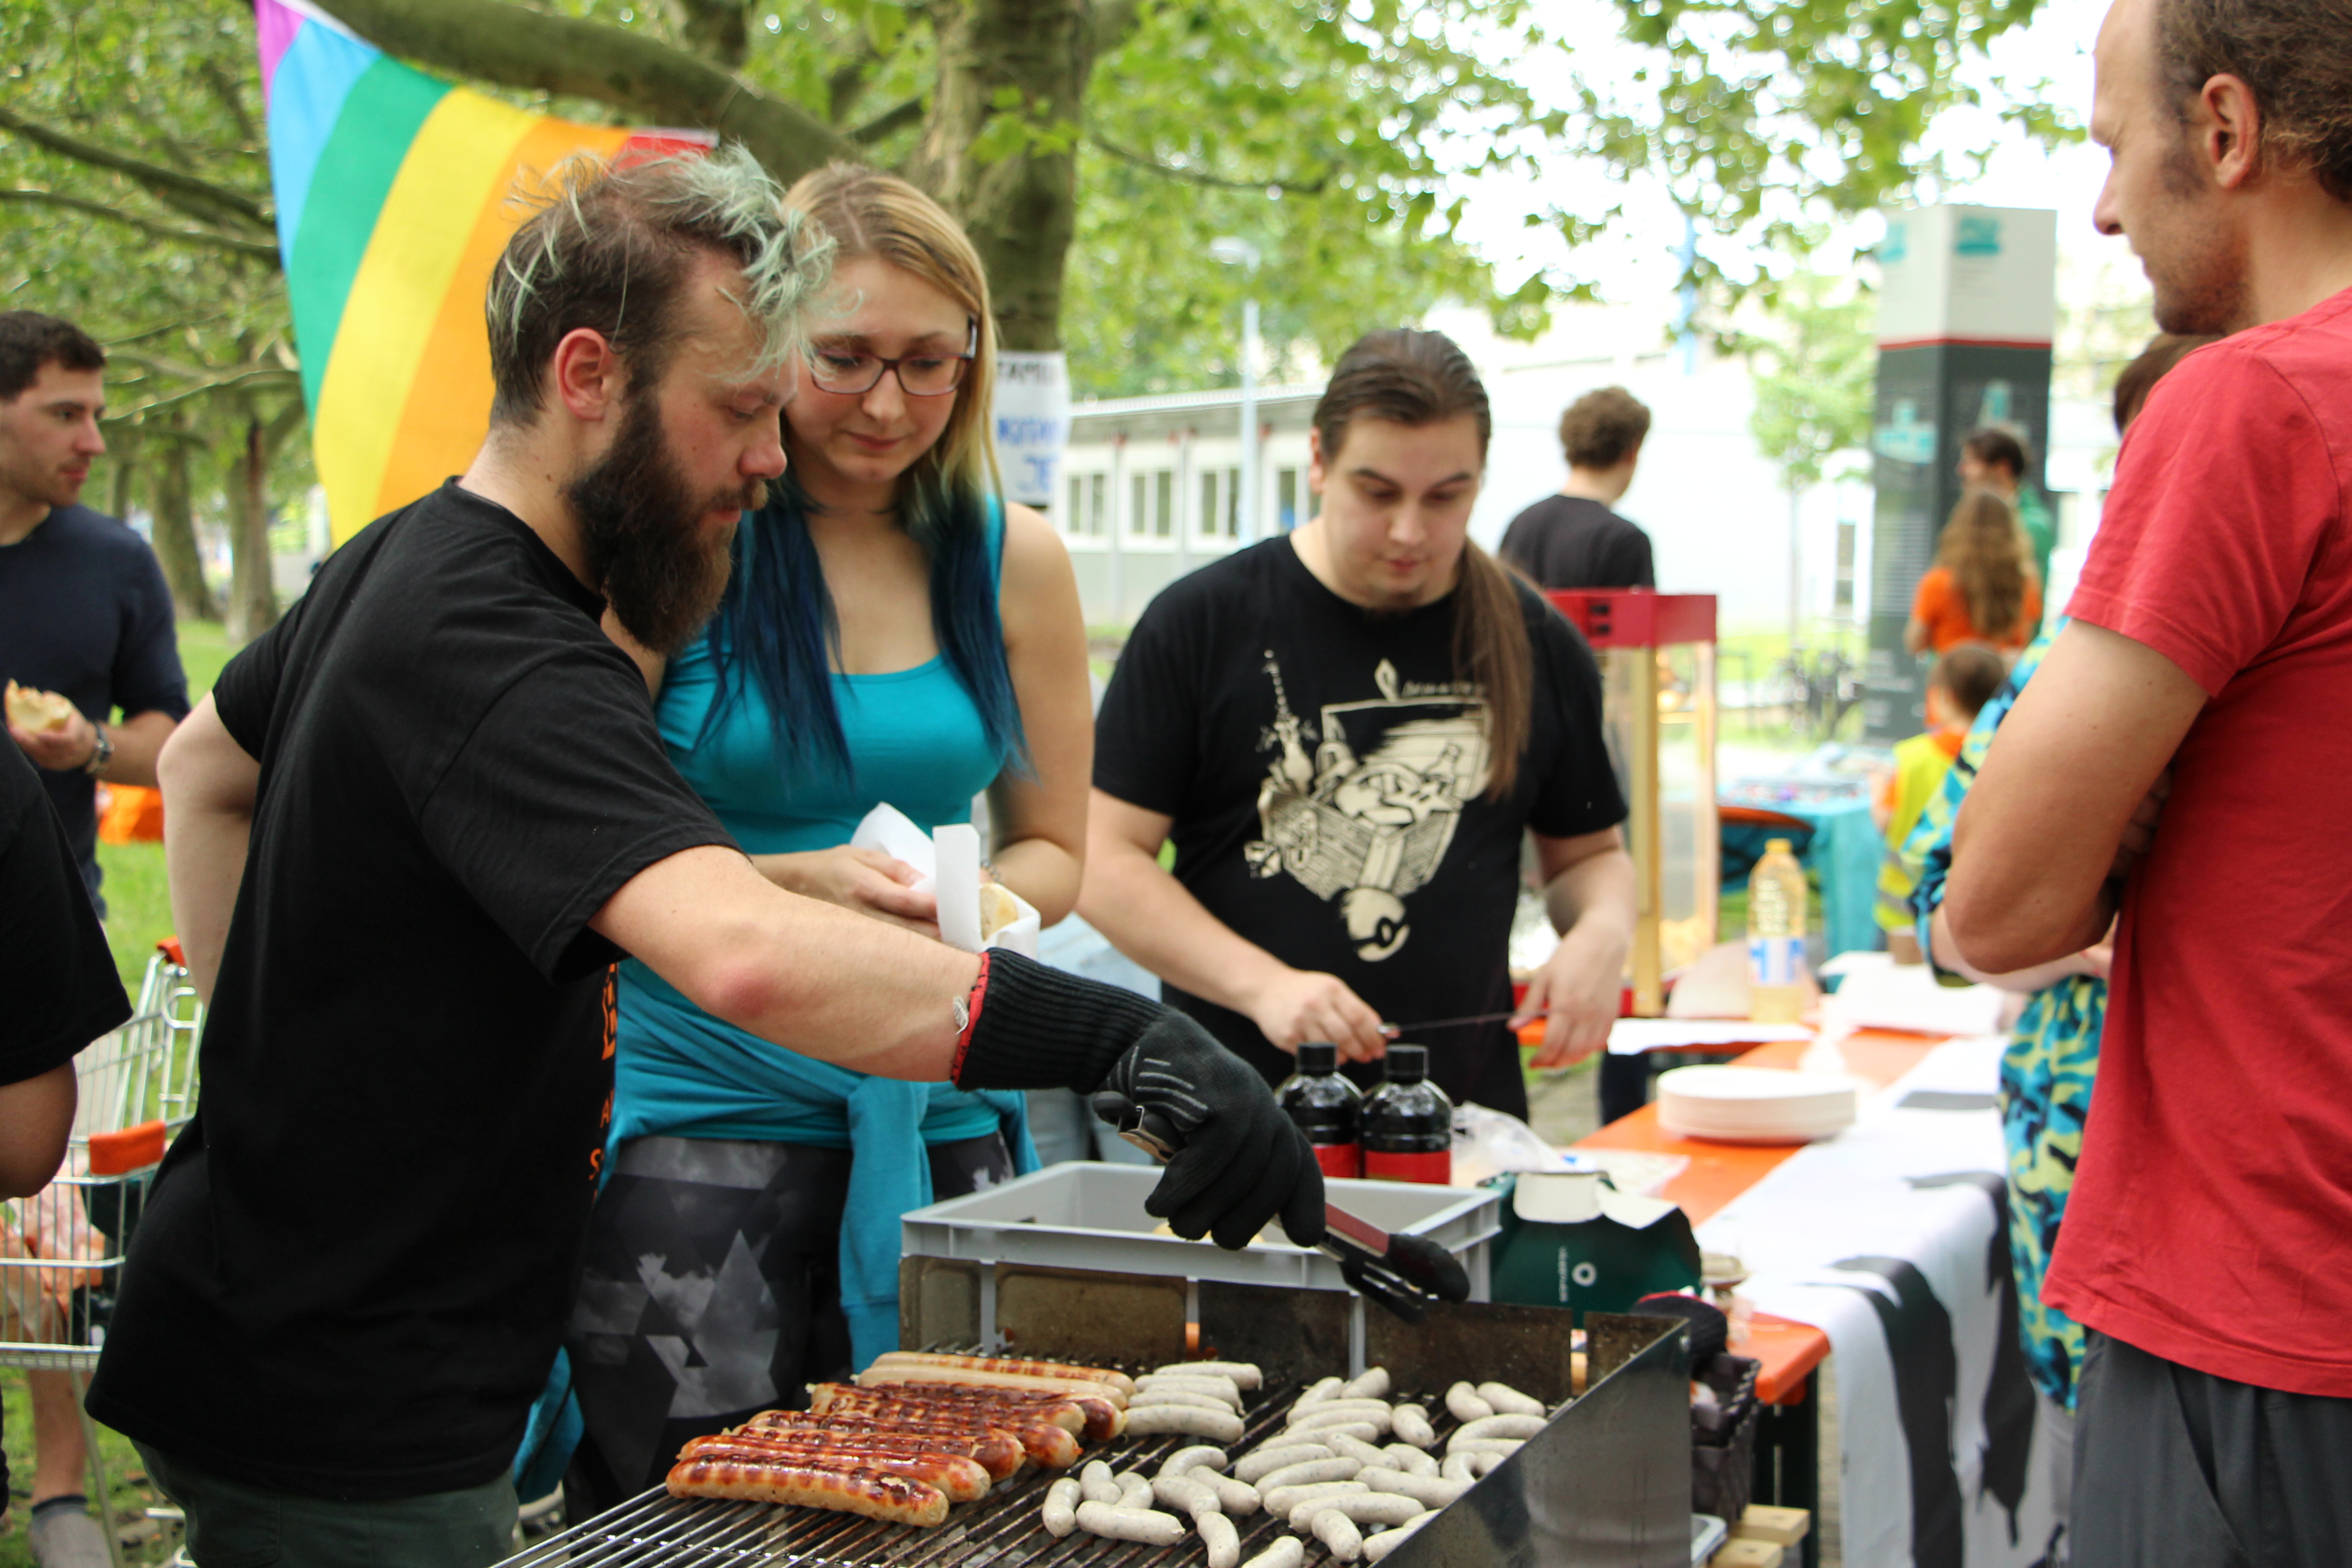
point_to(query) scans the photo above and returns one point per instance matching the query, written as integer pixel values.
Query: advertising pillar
(1966, 309)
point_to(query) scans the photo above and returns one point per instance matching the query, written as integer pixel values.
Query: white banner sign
(1033, 424)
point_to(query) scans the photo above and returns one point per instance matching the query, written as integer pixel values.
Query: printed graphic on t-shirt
(1368, 818)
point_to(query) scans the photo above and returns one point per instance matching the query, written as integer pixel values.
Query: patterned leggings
(712, 1291)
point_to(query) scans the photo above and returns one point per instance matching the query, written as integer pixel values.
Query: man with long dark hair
(2209, 647)
(1346, 730)
(410, 833)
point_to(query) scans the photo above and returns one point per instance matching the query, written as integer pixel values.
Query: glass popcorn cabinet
(1658, 707)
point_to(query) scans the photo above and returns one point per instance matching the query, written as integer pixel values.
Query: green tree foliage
(1093, 147)
(1764, 116)
(1815, 380)
(1324, 137)
(134, 198)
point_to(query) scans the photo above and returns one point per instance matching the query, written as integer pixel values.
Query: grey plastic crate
(1087, 1215)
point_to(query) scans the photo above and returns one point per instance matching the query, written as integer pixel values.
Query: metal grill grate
(1001, 1528)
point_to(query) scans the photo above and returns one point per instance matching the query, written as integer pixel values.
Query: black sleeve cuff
(1037, 1027)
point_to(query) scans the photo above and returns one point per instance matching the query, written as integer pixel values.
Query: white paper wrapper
(949, 860)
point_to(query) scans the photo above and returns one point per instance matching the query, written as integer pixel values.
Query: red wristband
(973, 1003)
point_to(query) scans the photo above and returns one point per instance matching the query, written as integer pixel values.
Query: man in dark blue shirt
(84, 612)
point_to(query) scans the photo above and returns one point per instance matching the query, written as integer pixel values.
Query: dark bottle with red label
(1408, 1123)
(1324, 1106)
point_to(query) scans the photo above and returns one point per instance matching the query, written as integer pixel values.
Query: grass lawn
(138, 901)
(132, 1494)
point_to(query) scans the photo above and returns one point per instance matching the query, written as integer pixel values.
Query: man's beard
(642, 528)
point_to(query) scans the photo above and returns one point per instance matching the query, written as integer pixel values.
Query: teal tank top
(917, 741)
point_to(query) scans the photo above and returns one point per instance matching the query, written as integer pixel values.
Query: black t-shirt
(59, 990)
(84, 612)
(353, 1273)
(1574, 542)
(1326, 776)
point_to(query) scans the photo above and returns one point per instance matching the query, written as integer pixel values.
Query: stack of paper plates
(1754, 1105)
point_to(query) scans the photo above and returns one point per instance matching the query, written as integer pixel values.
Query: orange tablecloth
(1719, 1173)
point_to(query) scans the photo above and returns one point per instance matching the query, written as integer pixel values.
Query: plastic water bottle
(1776, 936)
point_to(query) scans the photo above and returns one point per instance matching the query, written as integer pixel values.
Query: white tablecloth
(1890, 1239)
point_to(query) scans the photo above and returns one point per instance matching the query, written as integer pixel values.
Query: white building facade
(1150, 488)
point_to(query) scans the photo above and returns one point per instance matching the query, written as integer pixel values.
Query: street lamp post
(1241, 253)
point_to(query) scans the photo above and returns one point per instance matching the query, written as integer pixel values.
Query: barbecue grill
(1605, 1485)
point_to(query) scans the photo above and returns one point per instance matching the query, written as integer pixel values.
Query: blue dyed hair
(776, 628)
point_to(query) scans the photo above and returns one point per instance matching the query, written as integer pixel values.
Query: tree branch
(889, 119)
(1212, 182)
(506, 43)
(166, 183)
(1110, 22)
(245, 378)
(253, 249)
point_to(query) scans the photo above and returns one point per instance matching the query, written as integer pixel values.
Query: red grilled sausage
(1048, 1444)
(997, 1451)
(1083, 1415)
(847, 1489)
(1097, 1419)
(960, 1478)
(1057, 1369)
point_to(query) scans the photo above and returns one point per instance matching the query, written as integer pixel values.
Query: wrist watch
(102, 750)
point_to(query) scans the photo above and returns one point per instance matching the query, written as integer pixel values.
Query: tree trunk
(175, 526)
(122, 448)
(1021, 210)
(252, 601)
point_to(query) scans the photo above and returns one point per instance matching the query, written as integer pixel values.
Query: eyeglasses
(849, 374)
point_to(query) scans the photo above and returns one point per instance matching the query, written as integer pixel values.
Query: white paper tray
(1090, 1214)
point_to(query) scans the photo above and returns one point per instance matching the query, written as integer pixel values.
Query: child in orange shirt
(1964, 679)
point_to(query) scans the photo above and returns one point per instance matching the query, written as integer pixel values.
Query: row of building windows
(1151, 504)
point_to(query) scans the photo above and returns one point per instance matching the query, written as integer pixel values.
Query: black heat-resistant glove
(1243, 1161)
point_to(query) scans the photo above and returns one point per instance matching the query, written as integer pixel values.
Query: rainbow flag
(395, 198)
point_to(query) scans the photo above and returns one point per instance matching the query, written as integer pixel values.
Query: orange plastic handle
(132, 1149)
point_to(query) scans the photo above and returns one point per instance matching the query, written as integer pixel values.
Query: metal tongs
(1402, 1273)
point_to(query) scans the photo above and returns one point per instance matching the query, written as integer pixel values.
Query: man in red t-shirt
(2209, 1241)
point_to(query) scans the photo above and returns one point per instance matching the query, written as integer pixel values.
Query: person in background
(1995, 460)
(1573, 539)
(59, 992)
(2169, 773)
(1963, 681)
(1346, 732)
(859, 658)
(84, 614)
(1981, 588)
(2046, 1072)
